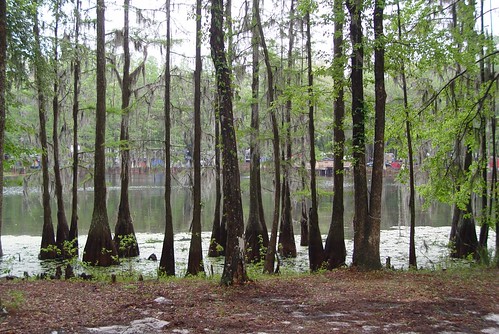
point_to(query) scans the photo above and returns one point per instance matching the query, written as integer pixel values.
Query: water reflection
(23, 214)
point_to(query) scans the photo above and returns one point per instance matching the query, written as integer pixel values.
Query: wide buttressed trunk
(315, 247)
(287, 236)
(62, 235)
(373, 224)
(195, 261)
(287, 244)
(100, 249)
(256, 235)
(124, 233)
(234, 267)
(335, 250)
(464, 238)
(48, 246)
(167, 261)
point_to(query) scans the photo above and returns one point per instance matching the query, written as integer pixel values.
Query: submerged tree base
(100, 249)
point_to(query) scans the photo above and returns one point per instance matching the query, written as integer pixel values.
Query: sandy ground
(344, 301)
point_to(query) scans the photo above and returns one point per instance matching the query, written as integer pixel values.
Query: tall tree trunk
(463, 231)
(315, 247)
(361, 247)
(484, 229)
(234, 267)
(100, 249)
(493, 182)
(335, 249)
(304, 235)
(195, 261)
(73, 230)
(124, 234)
(217, 243)
(412, 207)
(304, 210)
(494, 155)
(62, 224)
(3, 63)
(256, 235)
(268, 266)
(48, 245)
(287, 237)
(373, 223)
(167, 261)
(466, 242)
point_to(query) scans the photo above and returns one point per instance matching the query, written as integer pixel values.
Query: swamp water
(23, 219)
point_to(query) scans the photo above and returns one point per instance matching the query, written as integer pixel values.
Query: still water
(23, 218)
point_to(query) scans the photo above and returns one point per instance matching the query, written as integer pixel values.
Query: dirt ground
(344, 301)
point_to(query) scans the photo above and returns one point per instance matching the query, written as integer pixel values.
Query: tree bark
(335, 249)
(195, 261)
(365, 251)
(463, 232)
(484, 229)
(256, 235)
(466, 242)
(73, 230)
(217, 245)
(167, 261)
(124, 233)
(48, 245)
(373, 224)
(315, 247)
(62, 224)
(412, 190)
(100, 249)
(287, 237)
(234, 267)
(268, 266)
(3, 63)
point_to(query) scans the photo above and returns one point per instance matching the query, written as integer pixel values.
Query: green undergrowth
(455, 269)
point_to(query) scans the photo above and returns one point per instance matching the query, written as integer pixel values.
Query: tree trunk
(167, 261)
(494, 173)
(287, 244)
(412, 208)
(100, 249)
(271, 249)
(484, 229)
(363, 248)
(304, 224)
(493, 182)
(195, 261)
(234, 267)
(124, 234)
(466, 242)
(335, 249)
(373, 224)
(315, 247)
(304, 211)
(3, 63)
(62, 223)
(287, 237)
(48, 245)
(217, 246)
(73, 230)
(256, 235)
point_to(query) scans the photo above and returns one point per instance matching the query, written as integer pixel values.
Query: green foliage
(219, 248)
